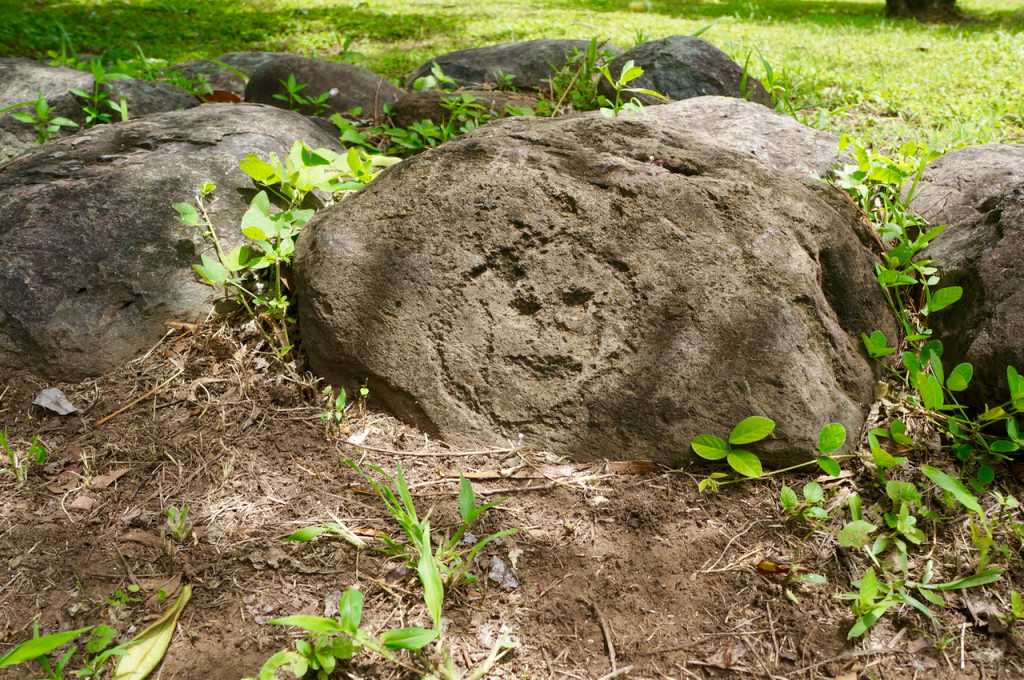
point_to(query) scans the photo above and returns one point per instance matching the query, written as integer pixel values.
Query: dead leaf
(62, 483)
(54, 400)
(146, 649)
(83, 503)
(103, 481)
(728, 655)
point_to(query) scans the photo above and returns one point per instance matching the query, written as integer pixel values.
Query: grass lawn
(845, 66)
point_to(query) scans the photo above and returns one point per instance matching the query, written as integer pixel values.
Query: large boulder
(95, 262)
(531, 63)
(348, 87)
(22, 80)
(683, 66)
(978, 191)
(775, 139)
(608, 287)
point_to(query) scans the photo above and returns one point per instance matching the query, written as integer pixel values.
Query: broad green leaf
(884, 459)
(813, 493)
(213, 272)
(986, 475)
(745, 463)
(856, 534)
(876, 344)
(408, 638)
(1004, 446)
(23, 117)
(899, 429)
(943, 298)
(929, 389)
(936, 363)
(1016, 604)
(911, 362)
(710, 447)
(1016, 383)
(788, 498)
(257, 168)
(433, 589)
(630, 74)
(467, 499)
(36, 647)
(960, 377)
(256, 224)
(855, 507)
(868, 588)
(314, 624)
(188, 213)
(749, 430)
(350, 610)
(932, 596)
(145, 651)
(953, 486)
(238, 259)
(829, 465)
(831, 438)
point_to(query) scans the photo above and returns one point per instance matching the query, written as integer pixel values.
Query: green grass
(946, 85)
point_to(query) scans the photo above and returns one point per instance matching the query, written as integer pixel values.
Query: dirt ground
(615, 572)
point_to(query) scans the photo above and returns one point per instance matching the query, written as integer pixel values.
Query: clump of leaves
(42, 119)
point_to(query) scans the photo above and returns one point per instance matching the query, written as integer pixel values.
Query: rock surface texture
(610, 288)
(23, 80)
(530, 62)
(773, 138)
(94, 261)
(349, 86)
(979, 192)
(683, 66)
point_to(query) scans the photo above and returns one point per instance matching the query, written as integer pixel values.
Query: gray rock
(608, 287)
(775, 139)
(426, 105)
(220, 78)
(23, 80)
(530, 62)
(94, 260)
(681, 67)
(979, 192)
(351, 87)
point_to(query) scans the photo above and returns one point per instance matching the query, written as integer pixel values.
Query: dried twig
(615, 674)
(144, 396)
(428, 454)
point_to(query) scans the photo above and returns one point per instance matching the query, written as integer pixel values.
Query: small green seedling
(335, 409)
(19, 466)
(122, 597)
(809, 509)
(45, 123)
(630, 72)
(748, 431)
(178, 523)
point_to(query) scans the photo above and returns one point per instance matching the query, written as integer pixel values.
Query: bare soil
(619, 571)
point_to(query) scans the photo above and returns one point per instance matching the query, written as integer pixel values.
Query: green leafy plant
(335, 410)
(439, 570)
(612, 108)
(19, 466)
(748, 431)
(573, 87)
(453, 562)
(751, 430)
(39, 646)
(436, 79)
(97, 101)
(254, 274)
(807, 509)
(178, 523)
(123, 597)
(43, 120)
